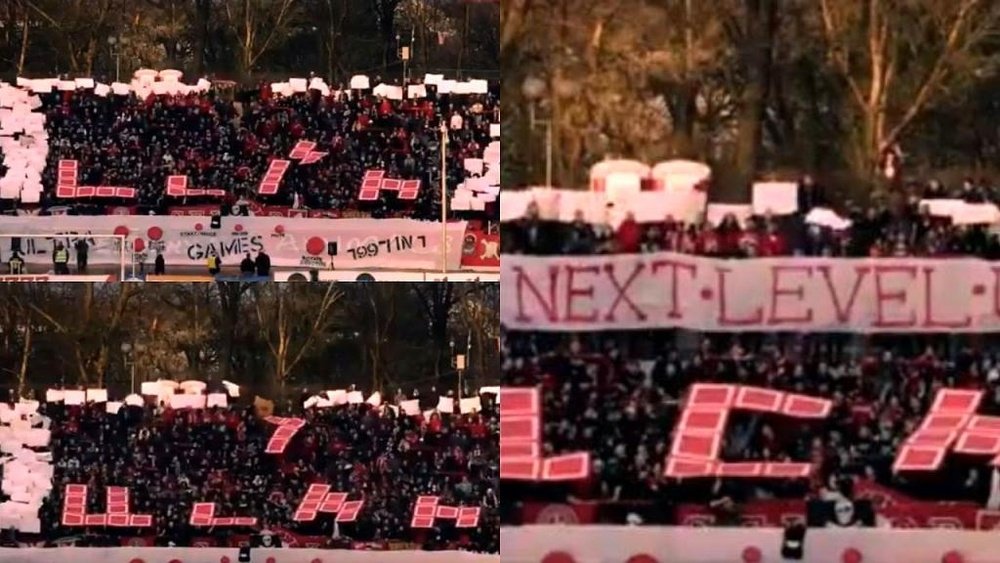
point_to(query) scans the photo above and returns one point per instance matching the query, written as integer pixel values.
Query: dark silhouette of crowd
(618, 396)
(171, 459)
(895, 225)
(226, 142)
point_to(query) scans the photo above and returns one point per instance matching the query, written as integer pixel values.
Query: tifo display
(301, 148)
(291, 487)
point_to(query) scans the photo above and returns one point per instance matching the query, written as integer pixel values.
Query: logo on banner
(470, 243)
(557, 514)
(236, 246)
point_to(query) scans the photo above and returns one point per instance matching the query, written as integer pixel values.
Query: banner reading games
(362, 244)
(666, 290)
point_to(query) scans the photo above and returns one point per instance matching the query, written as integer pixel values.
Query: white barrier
(188, 241)
(46, 278)
(215, 555)
(617, 544)
(391, 276)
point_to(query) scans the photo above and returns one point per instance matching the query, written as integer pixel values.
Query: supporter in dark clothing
(263, 264)
(247, 267)
(533, 235)
(580, 239)
(810, 195)
(82, 248)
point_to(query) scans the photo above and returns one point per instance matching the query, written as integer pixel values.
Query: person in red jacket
(629, 235)
(772, 243)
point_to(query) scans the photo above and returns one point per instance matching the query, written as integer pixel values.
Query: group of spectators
(227, 142)
(171, 459)
(618, 396)
(898, 225)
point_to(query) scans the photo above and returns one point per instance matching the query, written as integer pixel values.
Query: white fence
(230, 555)
(618, 544)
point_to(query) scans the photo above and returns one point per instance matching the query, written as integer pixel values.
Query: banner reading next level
(666, 290)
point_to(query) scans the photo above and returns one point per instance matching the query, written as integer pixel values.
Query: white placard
(470, 404)
(446, 405)
(220, 400)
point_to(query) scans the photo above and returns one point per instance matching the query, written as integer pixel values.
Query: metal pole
(444, 198)
(118, 65)
(133, 376)
(548, 153)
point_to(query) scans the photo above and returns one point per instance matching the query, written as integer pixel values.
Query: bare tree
(258, 26)
(898, 59)
(290, 324)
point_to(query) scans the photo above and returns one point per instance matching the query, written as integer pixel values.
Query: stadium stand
(794, 360)
(336, 471)
(224, 146)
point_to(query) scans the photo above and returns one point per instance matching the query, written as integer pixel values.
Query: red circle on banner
(751, 554)
(315, 246)
(280, 229)
(317, 560)
(177, 561)
(558, 557)
(154, 233)
(238, 228)
(851, 555)
(271, 560)
(198, 226)
(952, 557)
(642, 558)
(225, 559)
(139, 245)
(121, 230)
(137, 560)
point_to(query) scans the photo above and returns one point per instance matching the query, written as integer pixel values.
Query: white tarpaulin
(362, 243)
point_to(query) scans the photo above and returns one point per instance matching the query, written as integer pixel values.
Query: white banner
(362, 244)
(215, 555)
(687, 544)
(665, 290)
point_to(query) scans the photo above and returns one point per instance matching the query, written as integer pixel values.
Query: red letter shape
(951, 422)
(75, 509)
(695, 448)
(520, 442)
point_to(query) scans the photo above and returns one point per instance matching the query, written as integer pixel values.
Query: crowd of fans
(896, 226)
(617, 396)
(222, 142)
(171, 459)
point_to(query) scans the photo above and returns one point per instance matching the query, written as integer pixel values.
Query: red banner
(896, 509)
(481, 250)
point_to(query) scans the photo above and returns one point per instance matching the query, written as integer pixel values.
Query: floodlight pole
(535, 122)
(444, 197)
